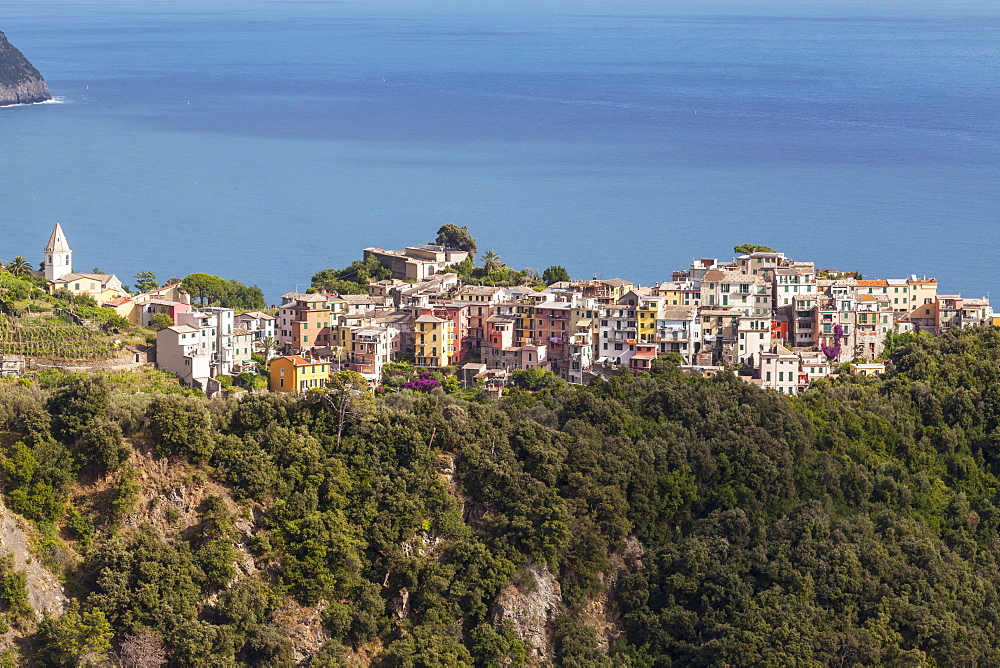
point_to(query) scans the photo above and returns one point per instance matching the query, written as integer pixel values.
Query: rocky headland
(20, 82)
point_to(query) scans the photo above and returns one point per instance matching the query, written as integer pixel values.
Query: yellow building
(870, 369)
(292, 373)
(923, 291)
(435, 341)
(648, 312)
(672, 293)
(102, 287)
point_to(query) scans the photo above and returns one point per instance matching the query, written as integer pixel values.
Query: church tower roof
(57, 242)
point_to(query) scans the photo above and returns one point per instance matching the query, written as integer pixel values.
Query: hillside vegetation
(14, 67)
(686, 521)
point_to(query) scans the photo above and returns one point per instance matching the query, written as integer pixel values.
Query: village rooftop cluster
(780, 322)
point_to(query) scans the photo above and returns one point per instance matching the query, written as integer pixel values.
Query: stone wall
(129, 360)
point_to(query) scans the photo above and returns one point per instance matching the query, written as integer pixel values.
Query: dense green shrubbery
(853, 525)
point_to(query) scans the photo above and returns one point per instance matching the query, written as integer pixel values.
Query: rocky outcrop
(45, 593)
(20, 82)
(529, 605)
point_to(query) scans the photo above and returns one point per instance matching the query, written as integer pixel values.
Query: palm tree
(491, 262)
(19, 266)
(265, 345)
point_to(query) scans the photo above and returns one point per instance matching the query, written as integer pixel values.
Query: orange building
(292, 373)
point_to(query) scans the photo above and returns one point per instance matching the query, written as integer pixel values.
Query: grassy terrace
(54, 338)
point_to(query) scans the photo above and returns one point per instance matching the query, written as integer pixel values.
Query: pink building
(779, 370)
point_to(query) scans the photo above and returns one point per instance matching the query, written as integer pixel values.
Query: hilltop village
(777, 322)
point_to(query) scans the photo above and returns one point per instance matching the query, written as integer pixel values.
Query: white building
(792, 281)
(58, 255)
(779, 370)
(754, 337)
(618, 333)
(260, 325)
(678, 330)
(181, 350)
(215, 334)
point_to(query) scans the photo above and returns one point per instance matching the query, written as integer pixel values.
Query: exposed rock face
(529, 607)
(45, 594)
(20, 82)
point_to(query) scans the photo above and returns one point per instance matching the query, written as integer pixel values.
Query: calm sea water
(264, 141)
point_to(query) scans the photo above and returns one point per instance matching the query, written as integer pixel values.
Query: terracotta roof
(299, 361)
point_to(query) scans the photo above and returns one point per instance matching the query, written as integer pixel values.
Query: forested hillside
(649, 521)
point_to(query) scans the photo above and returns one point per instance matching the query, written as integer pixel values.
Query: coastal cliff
(20, 82)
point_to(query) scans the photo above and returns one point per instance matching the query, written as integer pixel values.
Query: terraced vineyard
(53, 338)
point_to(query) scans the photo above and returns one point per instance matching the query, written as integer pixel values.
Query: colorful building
(434, 341)
(292, 373)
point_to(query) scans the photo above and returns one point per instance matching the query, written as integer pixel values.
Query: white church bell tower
(58, 256)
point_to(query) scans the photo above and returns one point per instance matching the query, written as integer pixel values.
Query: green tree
(76, 404)
(349, 399)
(14, 589)
(103, 446)
(181, 426)
(125, 493)
(265, 346)
(78, 637)
(215, 291)
(146, 281)
(555, 274)
(206, 288)
(353, 279)
(491, 262)
(19, 267)
(453, 236)
(746, 249)
(217, 560)
(536, 379)
(161, 321)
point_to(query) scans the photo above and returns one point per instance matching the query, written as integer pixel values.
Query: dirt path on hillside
(45, 593)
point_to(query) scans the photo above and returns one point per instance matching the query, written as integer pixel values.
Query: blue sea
(264, 140)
